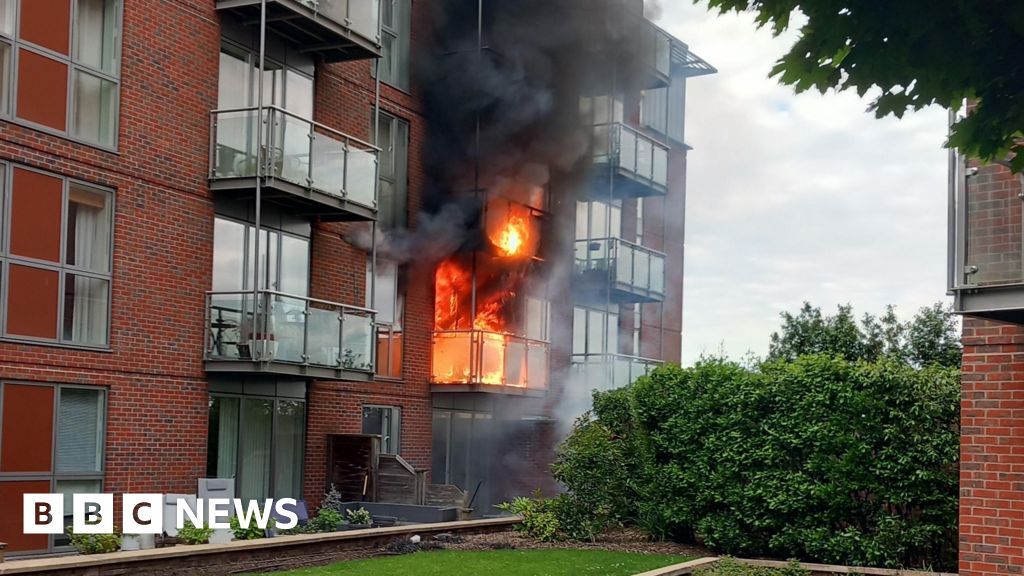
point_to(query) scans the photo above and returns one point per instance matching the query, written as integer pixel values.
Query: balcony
(282, 334)
(986, 242)
(481, 361)
(338, 30)
(307, 167)
(627, 164)
(612, 270)
(658, 50)
(611, 371)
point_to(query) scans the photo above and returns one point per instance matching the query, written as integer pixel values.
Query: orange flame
(512, 239)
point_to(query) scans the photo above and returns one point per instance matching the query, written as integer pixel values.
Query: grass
(549, 562)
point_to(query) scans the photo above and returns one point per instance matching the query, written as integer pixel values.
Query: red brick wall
(992, 449)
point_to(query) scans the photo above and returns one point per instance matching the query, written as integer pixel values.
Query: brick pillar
(992, 449)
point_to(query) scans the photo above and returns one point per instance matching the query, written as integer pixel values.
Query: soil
(616, 540)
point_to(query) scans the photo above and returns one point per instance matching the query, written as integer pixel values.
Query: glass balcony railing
(277, 328)
(476, 357)
(610, 371)
(660, 54)
(627, 267)
(360, 16)
(336, 30)
(630, 153)
(297, 151)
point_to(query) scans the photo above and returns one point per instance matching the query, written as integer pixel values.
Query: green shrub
(94, 543)
(539, 522)
(326, 520)
(359, 516)
(820, 459)
(190, 534)
(248, 532)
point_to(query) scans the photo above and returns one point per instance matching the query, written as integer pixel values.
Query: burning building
(387, 245)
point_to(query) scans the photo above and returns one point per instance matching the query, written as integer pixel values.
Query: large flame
(512, 238)
(471, 345)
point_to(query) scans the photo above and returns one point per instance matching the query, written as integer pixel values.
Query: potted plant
(95, 543)
(191, 534)
(327, 520)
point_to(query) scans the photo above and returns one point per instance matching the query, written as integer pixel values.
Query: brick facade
(157, 386)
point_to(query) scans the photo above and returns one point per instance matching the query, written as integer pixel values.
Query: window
(259, 441)
(51, 440)
(595, 331)
(284, 258)
(67, 54)
(663, 109)
(387, 422)
(389, 301)
(597, 220)
(56, 267)
(392, 194)
(285, 87)
(394, 39)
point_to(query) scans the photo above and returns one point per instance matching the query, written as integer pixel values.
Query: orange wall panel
(36, 205)
(42, 90)
(47, 23)
(32, 302)
(26, 437)
(10, 522)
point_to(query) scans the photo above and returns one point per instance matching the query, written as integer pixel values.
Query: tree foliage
(930, 337)
(820, 458)
(914, 53)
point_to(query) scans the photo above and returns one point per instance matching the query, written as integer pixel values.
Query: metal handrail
(633, 245)
(617, 355)
(261, 313)
(366, 146)
(623, 125)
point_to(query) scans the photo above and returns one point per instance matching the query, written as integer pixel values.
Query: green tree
(930, 337)
(914, 53)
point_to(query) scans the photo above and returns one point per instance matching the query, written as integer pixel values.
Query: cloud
(798, 197)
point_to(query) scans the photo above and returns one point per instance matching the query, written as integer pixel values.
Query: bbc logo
(92, 513)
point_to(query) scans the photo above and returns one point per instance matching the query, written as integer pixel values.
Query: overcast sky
(794, 198)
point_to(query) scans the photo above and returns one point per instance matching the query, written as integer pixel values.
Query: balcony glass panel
(288, 329)
(610, 371)
(645, 158)
(662, 52)
(363, 17)
(235, 144)
(657, 274)
(660, 175)
(302, 152)
(489, 358)
(630, 266)
(632, 152)
(994, 241)
(627, 149)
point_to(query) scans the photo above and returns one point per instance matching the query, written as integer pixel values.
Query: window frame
(251, 60)
(53, 476)
(399, 218)
(61, 268)
(402, 15)
(73, 67)
(396, 425)
(393, 328)
(274, 430)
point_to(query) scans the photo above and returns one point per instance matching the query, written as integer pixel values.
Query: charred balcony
(301, 165)
(986, 241)
(610, 371)
(627, 163)
(613, 270)
(282, 334)
(337, 30)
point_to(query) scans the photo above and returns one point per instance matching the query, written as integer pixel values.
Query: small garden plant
(95, 543)
(326, 520)
(728, 566)
(360, 516)
(191, 534)
(249, 532)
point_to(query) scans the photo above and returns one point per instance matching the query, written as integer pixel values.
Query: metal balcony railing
(626, 266)
(986, 240)
(610, 371)
(301, 152)
(628, 152)
(336, 30)
(278, 328)
(360, 16)
(477, 357)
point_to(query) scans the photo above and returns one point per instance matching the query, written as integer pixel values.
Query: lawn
(549, 562)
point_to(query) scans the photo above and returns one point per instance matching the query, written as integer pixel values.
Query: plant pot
(138, 541)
